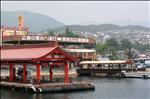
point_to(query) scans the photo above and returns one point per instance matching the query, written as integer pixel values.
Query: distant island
(35, 21)
(102, 27)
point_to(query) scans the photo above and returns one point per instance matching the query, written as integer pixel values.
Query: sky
(87, 12)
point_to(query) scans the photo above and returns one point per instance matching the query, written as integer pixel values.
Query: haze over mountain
(39, 22)
(102, 27)
(35, 21)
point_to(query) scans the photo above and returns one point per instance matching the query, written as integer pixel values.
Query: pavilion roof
(32, 53)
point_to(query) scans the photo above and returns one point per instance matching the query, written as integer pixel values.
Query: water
(104, 89)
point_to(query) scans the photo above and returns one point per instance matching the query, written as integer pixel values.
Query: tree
(108, 48)
(69, 33)
(104, 49)
(112, 53)
(101, 48)
(125, 44)
(112, 48)
(50, 33)
(112, 42)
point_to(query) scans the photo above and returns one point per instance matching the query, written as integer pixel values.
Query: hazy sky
(87, 12)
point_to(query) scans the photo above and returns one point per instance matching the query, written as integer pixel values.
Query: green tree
(69, 33)
(50, 33)
(112, 42)
(101, 48)
(112, 53)
(125, 44)
(112, 48)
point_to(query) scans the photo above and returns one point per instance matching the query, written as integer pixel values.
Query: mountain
(35, 21)
(102, 27)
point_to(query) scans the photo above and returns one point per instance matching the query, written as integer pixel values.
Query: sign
(54, 38)
(34, 37)
(13, 32)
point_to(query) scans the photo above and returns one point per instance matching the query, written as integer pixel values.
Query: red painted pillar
(66, 73)
(11, 72)
(38, 73)
(24, 73)
(51, 73)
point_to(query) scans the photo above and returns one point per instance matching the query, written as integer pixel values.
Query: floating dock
(144, 75)
(48, 87)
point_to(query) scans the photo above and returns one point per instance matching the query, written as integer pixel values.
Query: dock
(137, 74)
(48, 87)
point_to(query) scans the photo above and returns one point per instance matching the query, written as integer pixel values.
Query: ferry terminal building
(81, 48)
(18, 47)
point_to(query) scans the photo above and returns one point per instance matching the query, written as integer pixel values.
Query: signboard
(54, 38)
(12, 32)
(8, 32)
(21, 33)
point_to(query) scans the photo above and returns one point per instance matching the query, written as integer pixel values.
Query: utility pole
(130, 55)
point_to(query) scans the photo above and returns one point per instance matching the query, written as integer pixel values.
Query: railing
(14, 28)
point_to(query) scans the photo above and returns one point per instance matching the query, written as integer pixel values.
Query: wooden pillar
(11, 72)
(66, 73)
(24, 73)
(50, 73)
(38, 73)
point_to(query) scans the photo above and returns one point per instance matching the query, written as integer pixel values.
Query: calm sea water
(104, 89)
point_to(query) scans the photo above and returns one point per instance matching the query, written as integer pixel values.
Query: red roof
(29, 54)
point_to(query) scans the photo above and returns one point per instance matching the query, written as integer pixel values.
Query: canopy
(106, 62)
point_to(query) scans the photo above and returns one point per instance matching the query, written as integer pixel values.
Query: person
(14, 73)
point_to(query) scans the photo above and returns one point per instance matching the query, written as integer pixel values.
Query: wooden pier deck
(137, 74)
(127, 74)
(48, 87)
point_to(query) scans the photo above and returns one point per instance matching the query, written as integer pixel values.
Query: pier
(138, 74)
(117, 68)
(47, 87)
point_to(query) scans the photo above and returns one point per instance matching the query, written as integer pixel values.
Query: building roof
(25, 54)
(80, 50)
(32, 53)
(105, 62)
